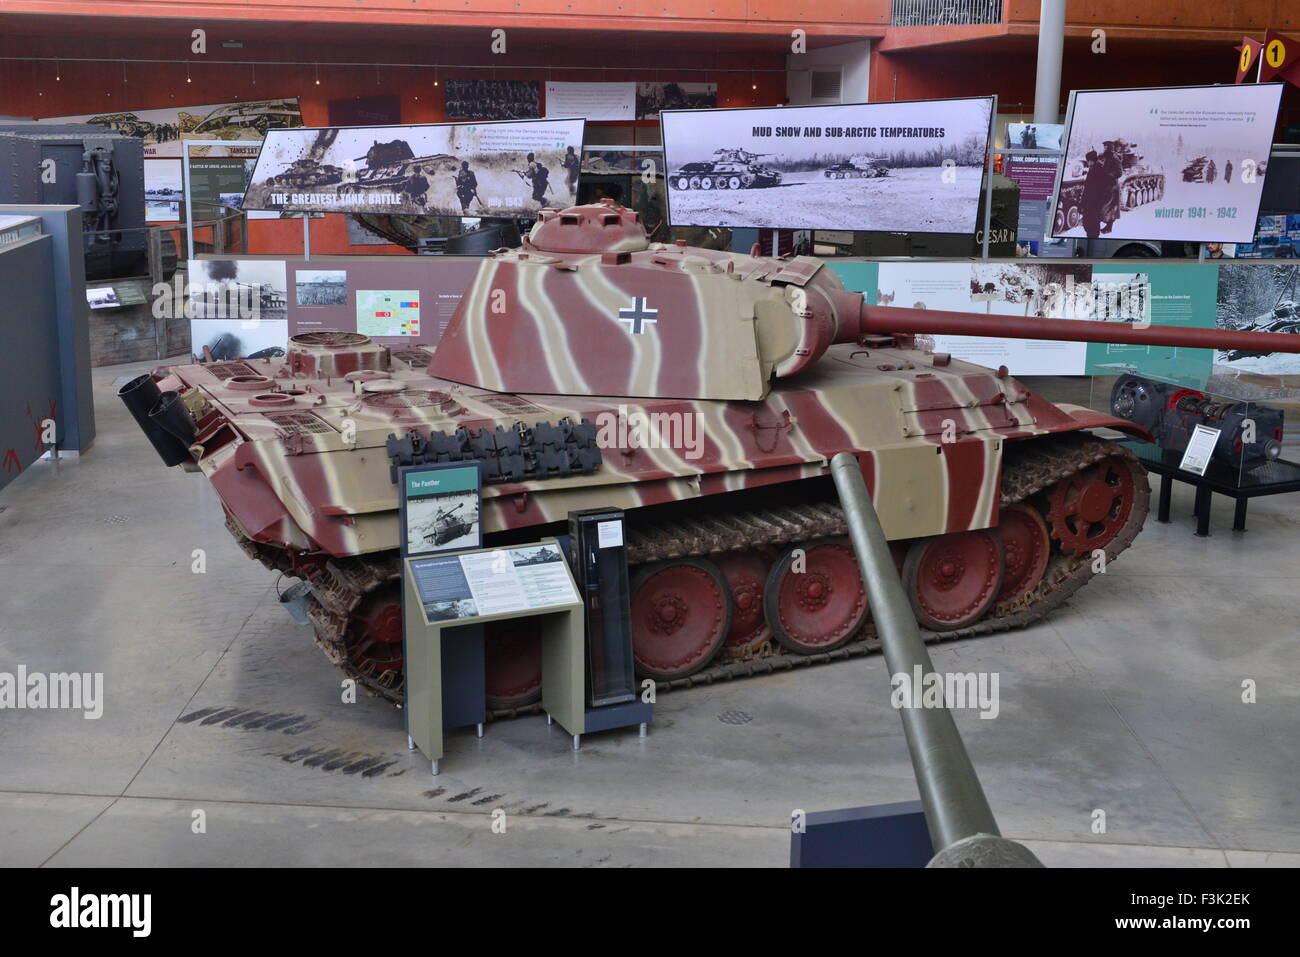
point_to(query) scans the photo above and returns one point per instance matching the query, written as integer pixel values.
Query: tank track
(1029, 467)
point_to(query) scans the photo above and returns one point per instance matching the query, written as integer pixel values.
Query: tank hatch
(587, 306)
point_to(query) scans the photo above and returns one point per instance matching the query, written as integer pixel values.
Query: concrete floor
(1127, 700)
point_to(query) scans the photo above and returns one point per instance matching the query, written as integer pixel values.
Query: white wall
(854, 59)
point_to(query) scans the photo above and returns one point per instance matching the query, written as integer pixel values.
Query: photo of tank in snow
(1258, 297)
(900, 166)
(504, 169)
(1171, 163)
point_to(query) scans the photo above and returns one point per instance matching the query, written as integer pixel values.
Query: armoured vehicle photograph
(733, 169)
(858, 167)
(1200, 170)
(995, 500)
(1138, 185)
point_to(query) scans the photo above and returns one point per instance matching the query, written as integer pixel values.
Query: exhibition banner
(507, 169)
(1162, 294)
(1174, 163)
(593, 101)
(902, 166)
(492, 99)
(162, 130)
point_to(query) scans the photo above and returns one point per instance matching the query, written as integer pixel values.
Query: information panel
(524, 578)
(1177, 163)
(903, 166)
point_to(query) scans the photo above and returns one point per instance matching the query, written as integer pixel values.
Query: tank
(733, 169)
(306, 172)
(704, 393)
(447, 525)
(1138, 185)
(858, 167)
(388, 166)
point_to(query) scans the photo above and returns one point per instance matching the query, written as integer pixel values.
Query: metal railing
(944, 13)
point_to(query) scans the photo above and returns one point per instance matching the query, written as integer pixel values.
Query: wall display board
(594, 101)
(901, 166)
(348, 296)
(432, 169)
(1175, 163)
(237, 308)
(492, 99)
(441, 507)
(1263, 297)
(162, 190)
(651, 98)
(1159, 293)
(162, 130)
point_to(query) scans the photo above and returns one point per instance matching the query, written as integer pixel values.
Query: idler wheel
(374, 636)
(746, 574)
(1088, 509)
(1026, 548)
(814, 598)
(681, 615)
(513, 663)
(952, 580)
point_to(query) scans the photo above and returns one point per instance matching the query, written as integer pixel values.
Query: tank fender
(1090, 419)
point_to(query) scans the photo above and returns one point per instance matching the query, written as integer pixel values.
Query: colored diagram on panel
(387, 312)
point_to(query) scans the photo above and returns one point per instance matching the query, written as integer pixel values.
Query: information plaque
(502, 581)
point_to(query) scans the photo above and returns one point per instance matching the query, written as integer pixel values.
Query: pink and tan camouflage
(703, 392)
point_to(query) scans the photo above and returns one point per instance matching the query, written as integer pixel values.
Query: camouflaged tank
(705, 393)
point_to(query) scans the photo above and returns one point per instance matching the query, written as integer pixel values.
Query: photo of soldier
(417, 187)
(466, 186)
(537, 176)
(1100, 207)
(571, 167)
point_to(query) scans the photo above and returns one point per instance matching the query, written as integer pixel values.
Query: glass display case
(1236, 435)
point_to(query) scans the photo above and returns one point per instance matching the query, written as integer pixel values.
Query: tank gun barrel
(875, 320)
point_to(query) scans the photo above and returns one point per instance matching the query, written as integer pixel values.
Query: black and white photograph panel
(220, 340)
(869, 166)
(321, 287)
(1176, 163)
(508, 168)
(443, 522)
(237, 288)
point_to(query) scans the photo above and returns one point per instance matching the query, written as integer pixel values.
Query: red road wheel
(681, 614)
(819, 603)
(513, 663)
(952, 580)
(1026, 547)
(1088, 509)
(374, 638)
(746, 576)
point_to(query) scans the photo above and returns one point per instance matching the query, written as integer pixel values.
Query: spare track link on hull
(1029, 467)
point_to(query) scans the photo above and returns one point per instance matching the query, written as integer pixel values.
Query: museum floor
(1127, 700)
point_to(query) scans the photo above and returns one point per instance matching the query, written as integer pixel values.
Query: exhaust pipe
(165, 423)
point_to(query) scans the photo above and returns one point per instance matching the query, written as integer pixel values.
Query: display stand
(436, 624)
(1275, 478)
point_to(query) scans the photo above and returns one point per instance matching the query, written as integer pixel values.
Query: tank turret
(704, 393)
